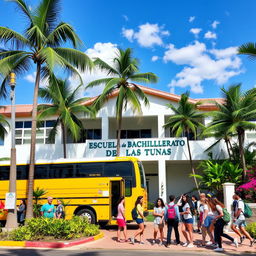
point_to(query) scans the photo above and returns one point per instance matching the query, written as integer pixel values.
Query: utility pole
(11, 222)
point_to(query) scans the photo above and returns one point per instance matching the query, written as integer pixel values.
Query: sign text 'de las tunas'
(156, 147)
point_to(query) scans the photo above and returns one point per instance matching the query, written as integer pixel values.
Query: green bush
(41, 228)
(251, 228)
(150, 206)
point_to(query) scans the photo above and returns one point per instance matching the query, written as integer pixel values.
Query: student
(139, 220)
(60, 213)
(207, 218)
(48, 209)
(196, 205)
(219, 224)
(239, 219)
(159, 220)
(21, 210)
(187, 220)
(121, 220)
(172, 218)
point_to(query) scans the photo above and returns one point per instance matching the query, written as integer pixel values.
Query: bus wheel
(88, 214)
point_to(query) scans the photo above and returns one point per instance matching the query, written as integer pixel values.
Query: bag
(134, 213)
(171, 213)
(247, 211)
(226, 217)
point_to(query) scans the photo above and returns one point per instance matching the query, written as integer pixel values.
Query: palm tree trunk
(241, 151)
(64, 139)
(191, 164)
(29, 213)
(231, 148)
(228, 149)
(119, 127)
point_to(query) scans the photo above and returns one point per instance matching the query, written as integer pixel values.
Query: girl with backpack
(158, 213)
(139, 220)
(121, 220)
(187, 220)
(217, 208)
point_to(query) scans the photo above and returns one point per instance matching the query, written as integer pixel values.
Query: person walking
(121, 220)
(217, 208)
(158, 213)
(21, 210)
(207, 219)
(172, 219)
(139, 220)
(48, 209)
(187, 220)
(60, 212)
(239, 223)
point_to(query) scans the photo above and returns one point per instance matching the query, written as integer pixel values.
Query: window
(191, 135)
(23, 132)
(142, 175)
(61, 171)
(89, 169)
(86, 134)
(4, 172)
(1, 142)
(135, 134)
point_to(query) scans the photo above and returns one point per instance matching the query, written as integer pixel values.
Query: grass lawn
(150, 218)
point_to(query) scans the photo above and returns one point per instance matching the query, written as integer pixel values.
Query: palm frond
(101, 64)
(144, 77)
(248, 49)
(23, 7)
(97, 82)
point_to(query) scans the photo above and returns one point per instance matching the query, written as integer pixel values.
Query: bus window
(128, 187)
(142, 175)
(41, 171)
(22, 172)
(4, 172)
(61, 171)
(89, 170)
(118, 169)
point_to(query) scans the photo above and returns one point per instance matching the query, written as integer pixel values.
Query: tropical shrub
(249, 187)
(41, 228)
(37, 193)
(251, 228)
(215, 173)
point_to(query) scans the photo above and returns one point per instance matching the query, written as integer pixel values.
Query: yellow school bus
(89, 187)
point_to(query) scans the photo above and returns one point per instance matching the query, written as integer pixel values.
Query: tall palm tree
(65, 105)
(39, 44)
(122, 73)
(186, 119)
(235, 116)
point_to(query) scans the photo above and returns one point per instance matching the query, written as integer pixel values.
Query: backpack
(171, 213)
(134, 213)
(247, 211)
(226, 217)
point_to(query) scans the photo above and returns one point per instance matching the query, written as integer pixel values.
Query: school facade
(165, 158)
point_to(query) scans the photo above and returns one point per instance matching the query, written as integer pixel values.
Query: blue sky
(190, 45)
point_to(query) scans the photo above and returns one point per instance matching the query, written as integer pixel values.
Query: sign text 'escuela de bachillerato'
(156, 147)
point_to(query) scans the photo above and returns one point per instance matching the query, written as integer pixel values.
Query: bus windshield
(142, 175)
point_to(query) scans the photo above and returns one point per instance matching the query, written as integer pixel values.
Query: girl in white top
(187, 222)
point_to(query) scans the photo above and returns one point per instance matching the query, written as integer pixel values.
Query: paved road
(70, 252)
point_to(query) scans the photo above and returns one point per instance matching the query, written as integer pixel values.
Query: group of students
(208, 213)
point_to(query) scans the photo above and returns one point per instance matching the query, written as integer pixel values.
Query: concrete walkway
(109, 242)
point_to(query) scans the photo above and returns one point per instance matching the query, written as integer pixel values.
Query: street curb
(38, 244)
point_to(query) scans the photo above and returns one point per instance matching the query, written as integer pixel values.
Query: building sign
(138, 147)
(10, 201)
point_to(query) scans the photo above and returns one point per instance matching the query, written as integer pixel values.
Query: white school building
(165, 158)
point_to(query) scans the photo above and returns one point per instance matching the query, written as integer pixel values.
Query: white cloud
(191, 19)
(201, 64)
(195, 31)
(32, 79)
(210, 35)
(128, 34)
(125, 17)
(105, 51)
(215, 24)
(148, 35)
(154, 58)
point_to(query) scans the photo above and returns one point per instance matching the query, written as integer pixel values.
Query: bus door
(117, 190)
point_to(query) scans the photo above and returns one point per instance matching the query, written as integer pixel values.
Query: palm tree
(186, 119)
(64, 104)
(122, 73)
(3, 123)
(235, 116)
(40, 44)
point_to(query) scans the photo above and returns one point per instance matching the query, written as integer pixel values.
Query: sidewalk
(109, 242)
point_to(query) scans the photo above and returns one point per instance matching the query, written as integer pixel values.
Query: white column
(161, 129)
(104, 127)
(228, 191)
(162, 179)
